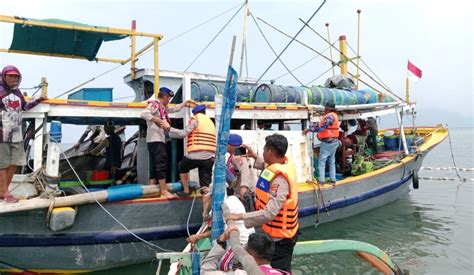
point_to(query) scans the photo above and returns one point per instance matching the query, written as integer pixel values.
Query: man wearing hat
(156, 116)
(238, 165)
(200, 148)
(12, 104)
(328, 133)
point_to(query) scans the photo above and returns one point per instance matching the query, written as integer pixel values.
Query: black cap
(330, 106)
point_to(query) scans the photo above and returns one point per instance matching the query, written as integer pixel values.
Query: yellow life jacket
(203, 138)
(285, 224)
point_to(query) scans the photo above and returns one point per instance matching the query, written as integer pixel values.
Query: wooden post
(44, 87)
(232, 49)
(244, 38)
(407, 92)
(330, 49)
(157, 67)
(132, 47)
(343, 55)
(358, 48)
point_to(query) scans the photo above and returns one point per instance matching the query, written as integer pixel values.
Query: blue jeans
(327, 151)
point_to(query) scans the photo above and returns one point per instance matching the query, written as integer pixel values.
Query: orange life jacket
(203, 138)
(285, 224)
(332, 131)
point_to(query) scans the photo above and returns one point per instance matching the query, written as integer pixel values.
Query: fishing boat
(49, 231)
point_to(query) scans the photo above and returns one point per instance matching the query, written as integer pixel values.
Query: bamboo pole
(407, 91)
(99, 59)
(244, 38)
(358, 48)
(330, 49)
(73, 200)
(94, 29)
(133, 40)
(343, 54)
(44, 87)
(157, 66)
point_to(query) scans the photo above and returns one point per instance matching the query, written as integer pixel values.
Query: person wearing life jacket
(276, 200)
(200, 148)
(12, 105)
(156, 117)
(260, 246)
(328, 133)
(238, 166)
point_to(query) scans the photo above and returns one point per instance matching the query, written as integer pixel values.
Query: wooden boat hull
(26, 242)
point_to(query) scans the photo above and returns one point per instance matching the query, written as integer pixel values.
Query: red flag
(414, 69)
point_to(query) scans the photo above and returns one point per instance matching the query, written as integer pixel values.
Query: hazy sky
(437, 36)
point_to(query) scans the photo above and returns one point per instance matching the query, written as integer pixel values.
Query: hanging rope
(452, 156)
(270, 46)
(214, 38)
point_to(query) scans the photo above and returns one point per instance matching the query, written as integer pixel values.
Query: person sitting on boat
(276, 200)
(200, 150)
(97, 136)
(113, 150)
(238, 165)
(12, 151)
(328, 133)
(372, 135)
(260, 246)
(235, 206)
(156, 116)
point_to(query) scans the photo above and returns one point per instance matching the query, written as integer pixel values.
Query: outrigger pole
(92, 29)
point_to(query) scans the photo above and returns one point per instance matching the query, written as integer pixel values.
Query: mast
(343, 55)
(244, 38)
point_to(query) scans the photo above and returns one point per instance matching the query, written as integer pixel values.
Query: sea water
(428, 231)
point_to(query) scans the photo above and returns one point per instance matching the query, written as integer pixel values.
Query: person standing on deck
(156, 116)
(328, 133)
(200, 148)
(276, 200)
(12, 104)
(113, 150)
(373, 133)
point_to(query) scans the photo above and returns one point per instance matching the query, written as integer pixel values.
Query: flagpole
(407, 90)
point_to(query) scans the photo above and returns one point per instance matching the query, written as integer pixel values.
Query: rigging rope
(302, 65)
(214, 38)
(162, 44)
(363, 62)
(350, 60)
(274, 52)
(291, 41)
(105, 210)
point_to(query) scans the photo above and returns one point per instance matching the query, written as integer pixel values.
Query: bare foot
(168, 195)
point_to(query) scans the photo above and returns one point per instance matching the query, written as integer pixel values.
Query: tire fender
(415, 180)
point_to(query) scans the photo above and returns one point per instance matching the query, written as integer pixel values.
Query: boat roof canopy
(51, 40)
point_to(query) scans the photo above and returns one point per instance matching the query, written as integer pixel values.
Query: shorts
(158, 160)
(12, 154)
(204, 166)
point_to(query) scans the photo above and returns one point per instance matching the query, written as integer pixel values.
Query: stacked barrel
(317, 95)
